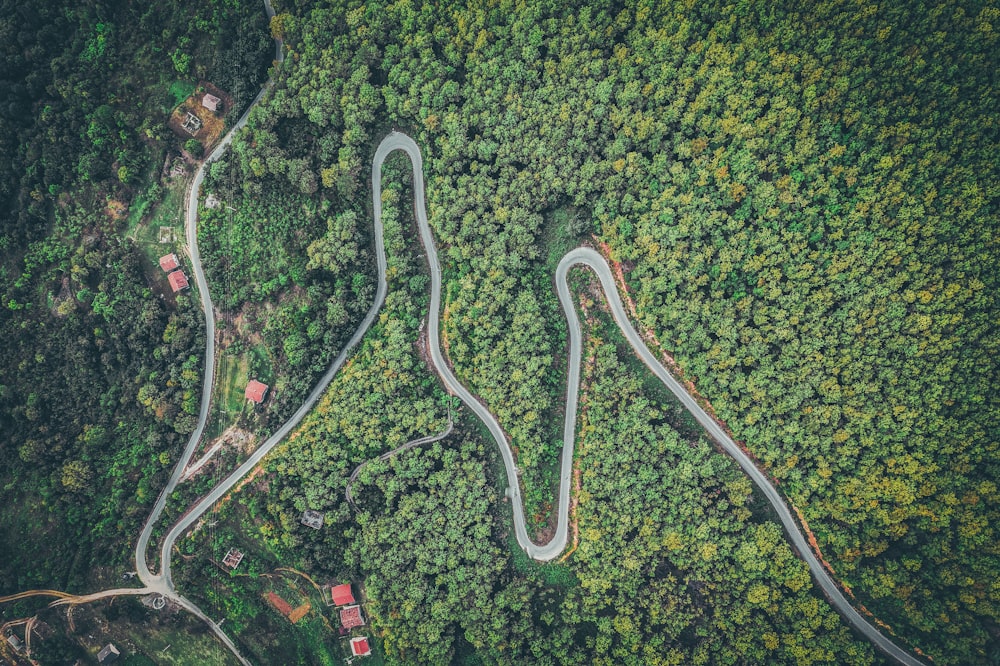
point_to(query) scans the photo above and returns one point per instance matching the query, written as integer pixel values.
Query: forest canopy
(802, 199)
(100, 366)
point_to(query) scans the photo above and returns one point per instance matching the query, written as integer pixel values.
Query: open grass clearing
(178, 646)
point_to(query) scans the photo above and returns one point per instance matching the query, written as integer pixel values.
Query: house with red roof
(256, 391)
(178, 281)
(342, 595)
(360, 647)
(350, 617)
(168, 262)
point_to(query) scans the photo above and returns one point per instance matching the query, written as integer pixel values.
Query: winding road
(582, 256)
(162, 583)
(191, 233)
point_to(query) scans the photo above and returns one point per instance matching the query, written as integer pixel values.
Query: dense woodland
(444, 578)
(100, 369)
(294, 270)
(804, 202)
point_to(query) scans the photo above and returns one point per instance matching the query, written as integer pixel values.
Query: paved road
(398, 141)
(206, 502)
(594, 261)
(191, 232)
(162, 583)
(582, 257)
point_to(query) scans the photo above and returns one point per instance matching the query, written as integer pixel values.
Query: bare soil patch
(213, 123)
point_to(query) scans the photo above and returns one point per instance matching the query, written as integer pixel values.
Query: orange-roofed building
(178, 281)
(256, 391)
(360, 647)
(168, 262)
(350, 617)
(342, 595)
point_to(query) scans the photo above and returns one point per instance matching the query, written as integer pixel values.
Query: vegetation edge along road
(191, 232)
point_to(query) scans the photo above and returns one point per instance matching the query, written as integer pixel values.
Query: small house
(313, 519)
(360, 647)
(178, 281)
(342, 595)
(350, 617)
(15, 643)
(256, 391)
(108, 655)
(210, 102)
(168, 262)
(212, 201)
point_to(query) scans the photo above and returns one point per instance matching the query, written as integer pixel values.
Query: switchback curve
(582, 256)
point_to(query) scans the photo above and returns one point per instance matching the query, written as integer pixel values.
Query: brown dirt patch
(299, 613)
(116, 210)
(279, 604)
(213, 124)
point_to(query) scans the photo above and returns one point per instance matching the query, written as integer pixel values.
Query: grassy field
(178, 646)
(146, 217)
(143, 636)
(228, 402)
(233, 375)
(178, 92)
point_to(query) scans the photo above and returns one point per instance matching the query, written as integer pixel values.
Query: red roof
(256, 391)
(350, 617)
(168, 262)
(280, 604)
(177, 281)
(360, 647)
(342, 595)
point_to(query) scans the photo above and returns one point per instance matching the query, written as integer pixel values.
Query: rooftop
(360, 647)
(350, 617)
(313, 519)
(168, 262)
(256, 391)
(191, 124)
(109, 654)
(178, 281)
(210, 101)
(342, 595)
(233, 558)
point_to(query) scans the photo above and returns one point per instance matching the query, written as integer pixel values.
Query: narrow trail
(388, 454)
(77, 599)
(34, 593)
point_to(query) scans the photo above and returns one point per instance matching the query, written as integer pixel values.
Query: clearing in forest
(202, 115)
